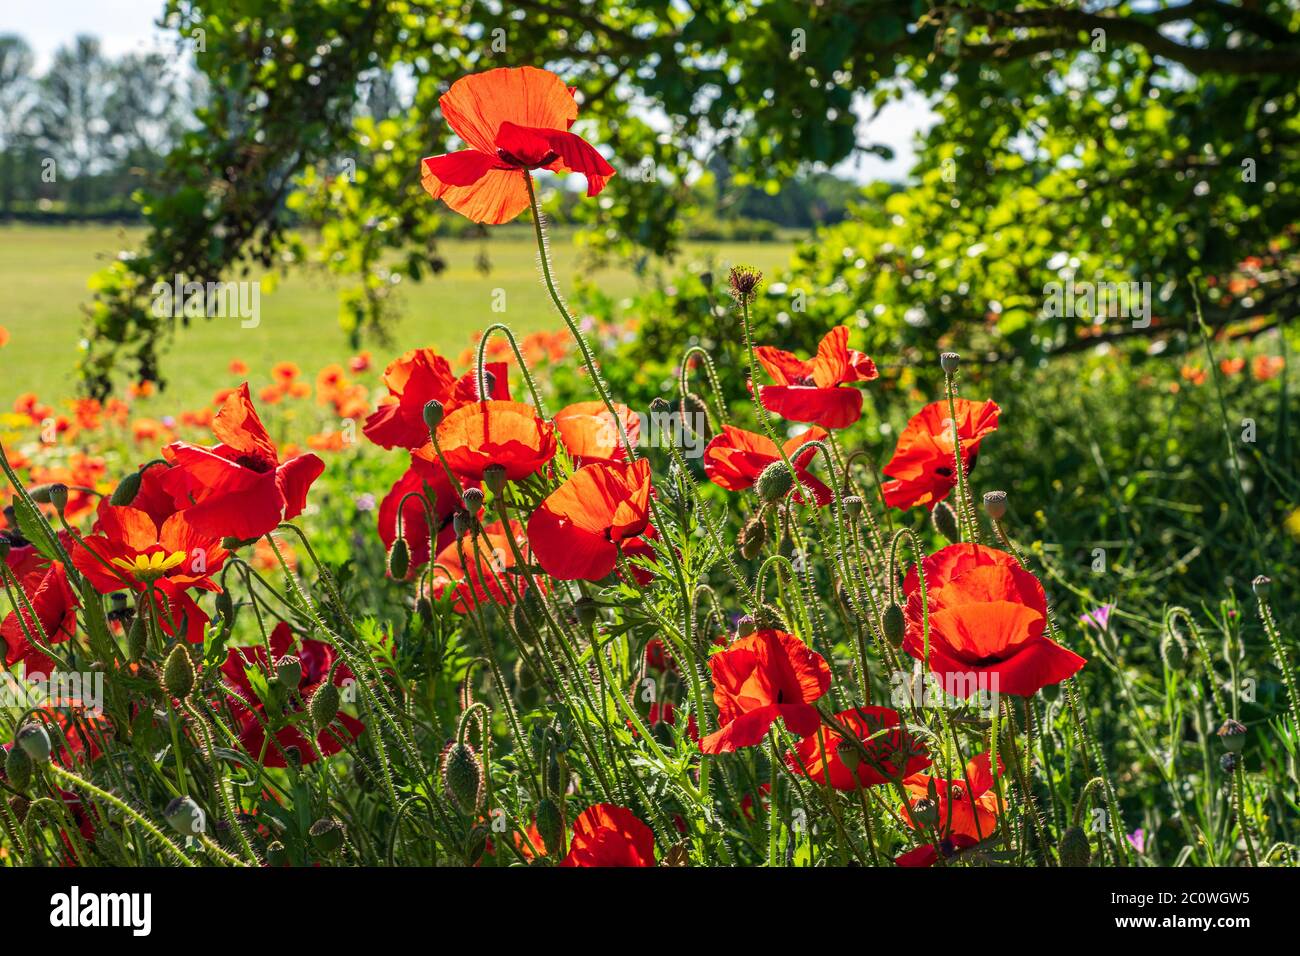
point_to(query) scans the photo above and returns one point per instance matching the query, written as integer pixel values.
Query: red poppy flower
(893, 755)
(967, 804)
(590, 434)
(817, 390)
(53, 615)
(239, 487)
(416, 377)
(485, 580)
(466, 390)
(128, 550)
(415, 524)
(767, 675)
(493, 433)
(987, 618)
(923, 462)
(577, 530)
(735, 458)
(608, 835)
(317, 658)
(514, 120)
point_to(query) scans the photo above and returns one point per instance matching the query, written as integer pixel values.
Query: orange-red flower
(818, 390)
(513, 120)
(590, 433)
(735, 458)
(415, 522)
(417, 377)
(485, 580)
(767, 675)
(987, 617)
(892, 755)
(576, 532)
(967, 810)
(609, 835)
(53, 615)
(238, 487)
(923, 466)
(495, 432)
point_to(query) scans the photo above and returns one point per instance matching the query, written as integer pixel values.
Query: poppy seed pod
(925, 812)
(184, 816)
(18, 768)
(774, 482)
(324, 705)
(1261, 585)
(34, 739)
(126, 490)
(276, 854)
(945, 522)
(327, 835)
(462, 522)
(893, 623)
(853, 505)
(472, 499)
(462, 776)
(494, 477)
(289, 671)
(59, 496)
(768, 618)
(399, 559)
(1074, 847)
(949, 361)
(995, 504)
(751, 538)
(746, 625)
(550, 825)
(433, 413)
(137, 639)
(849, 754)
(1232, 735)
(178, 673)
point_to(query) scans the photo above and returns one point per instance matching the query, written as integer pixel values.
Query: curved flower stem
(122, 807)
(710, 372)
(480, 375)
(965, 510)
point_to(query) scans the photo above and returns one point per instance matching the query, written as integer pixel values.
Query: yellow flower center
(150, 566)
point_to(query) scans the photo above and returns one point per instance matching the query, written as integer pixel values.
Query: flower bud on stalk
(768, 618)
(178, 673)
(774, 482)
(18, 768)
(399, 559)
(892, 623)
(462, 776)
(59, 496)
(35, 741)
(945, 522)
(1074, 848)
(126, 490)
(550, 826)
(995, 504)
(462, 522)
(433, 413)
(752, 536)
(324, 705)
(184, 816)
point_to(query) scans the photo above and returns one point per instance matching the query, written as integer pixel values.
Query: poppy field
(534, 600)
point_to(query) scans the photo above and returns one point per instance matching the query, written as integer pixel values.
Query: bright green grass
(43, 273)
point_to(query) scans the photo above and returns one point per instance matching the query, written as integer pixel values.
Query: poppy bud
(768, 618)
(125, 491)
(19, 805)
(1232, 735)
(554, 782)
(324, 705)
(18, 768)
(852, 505)
(137, 638)
(1074, 847)
(288, 670)
(948, 361)
(494, 476)
(462, 776)
(774, 482)
(40, 494)
(751, 538)
(276, 854)
(925, 812)
(35, 741)
(586, 611)
(472, 499)
(184, 816)
(550, 825)
(995, 504)
(433, 413)
(59, 496)
(178, 673)
(892, 623)
(706, 279)
(945, 522)
(849, 754)
(462, 522)
(225, 608)
(399, 559)
(746, 626)
(293, 756)
(527, 615)
(1260, 586)
(424, 608)
(327, 835)
(1229, 762)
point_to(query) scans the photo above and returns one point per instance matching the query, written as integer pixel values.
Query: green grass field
(43, 273)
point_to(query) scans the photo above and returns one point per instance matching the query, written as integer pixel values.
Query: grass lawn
(43, 273)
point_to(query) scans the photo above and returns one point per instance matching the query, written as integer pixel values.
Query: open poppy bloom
(317, 658)
(891, 756)
(817, 390)
(923, 466)
(590, 434)
(414, 379)
(609, 835)
(129, 550)
(967, 809)
(52, 620)
(490, 560)
(493, 433)
(735, 458)
(576, 532)
(238, 488)
(987, 618)
(415, 523)
(513, 120)
(767, 675)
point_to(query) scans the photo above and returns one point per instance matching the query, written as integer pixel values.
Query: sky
(127, 26)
